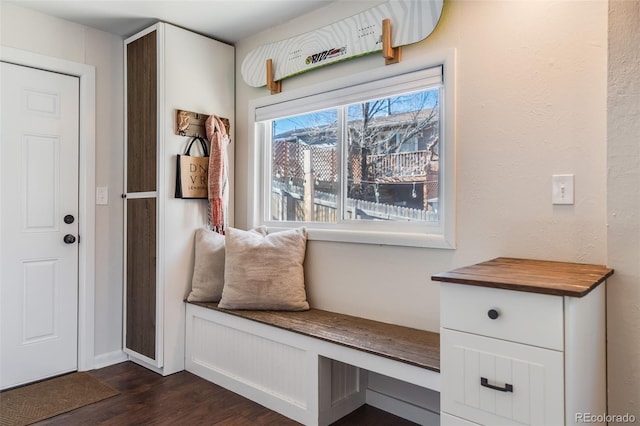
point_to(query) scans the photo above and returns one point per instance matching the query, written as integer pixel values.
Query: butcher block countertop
(534, 276)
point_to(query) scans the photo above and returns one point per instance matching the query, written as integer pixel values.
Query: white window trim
(444, 236)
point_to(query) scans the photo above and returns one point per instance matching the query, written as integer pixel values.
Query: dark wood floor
(147, 398)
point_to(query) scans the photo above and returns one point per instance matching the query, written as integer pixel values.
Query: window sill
(437, 241)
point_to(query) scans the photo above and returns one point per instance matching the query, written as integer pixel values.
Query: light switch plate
(102, 195)
(562, 189)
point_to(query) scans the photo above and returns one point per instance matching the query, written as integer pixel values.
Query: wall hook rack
(191, 124)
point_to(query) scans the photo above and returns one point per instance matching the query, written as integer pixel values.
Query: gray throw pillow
(208, 267)
(265, 271)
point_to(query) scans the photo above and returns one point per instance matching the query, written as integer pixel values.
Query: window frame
(429, 235)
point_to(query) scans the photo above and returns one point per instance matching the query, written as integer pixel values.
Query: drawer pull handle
(493, 314)
(485, 382)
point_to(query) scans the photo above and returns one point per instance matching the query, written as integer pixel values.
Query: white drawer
(530, 318)
(495, 382)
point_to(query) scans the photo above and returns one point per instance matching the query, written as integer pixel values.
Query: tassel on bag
(218, 173)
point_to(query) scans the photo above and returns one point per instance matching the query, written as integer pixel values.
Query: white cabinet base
(449, 420)
(523, 342)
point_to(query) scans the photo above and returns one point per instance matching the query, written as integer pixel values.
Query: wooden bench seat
(312, 366)
(418, 347)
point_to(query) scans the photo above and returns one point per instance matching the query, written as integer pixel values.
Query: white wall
(623, 200)
(32, 31)
(531, 102)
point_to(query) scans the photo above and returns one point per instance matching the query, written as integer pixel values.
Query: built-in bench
(311, 366)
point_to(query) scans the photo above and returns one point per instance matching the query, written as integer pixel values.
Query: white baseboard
(402, 409)
(110, 358)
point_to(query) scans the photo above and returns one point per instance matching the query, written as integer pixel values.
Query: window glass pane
(392, 159)
(362, 162)
(304, 168)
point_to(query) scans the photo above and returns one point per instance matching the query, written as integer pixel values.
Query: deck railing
(397, 166)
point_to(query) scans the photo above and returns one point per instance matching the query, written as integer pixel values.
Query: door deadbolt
(68, 219)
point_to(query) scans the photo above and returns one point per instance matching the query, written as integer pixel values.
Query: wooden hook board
(192, 123)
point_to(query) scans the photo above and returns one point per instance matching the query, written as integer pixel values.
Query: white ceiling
(224, 20)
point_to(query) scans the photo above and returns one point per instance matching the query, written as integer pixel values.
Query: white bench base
(312, 381)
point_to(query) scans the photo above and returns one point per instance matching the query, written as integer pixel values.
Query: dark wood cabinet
(159, 228)
(141, 196)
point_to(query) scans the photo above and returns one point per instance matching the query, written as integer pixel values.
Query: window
(363, 163)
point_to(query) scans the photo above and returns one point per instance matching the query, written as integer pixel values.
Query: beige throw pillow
(208, 267)
(265, 272)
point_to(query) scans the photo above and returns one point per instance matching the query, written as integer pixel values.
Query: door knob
(68, 219)
(69, 239)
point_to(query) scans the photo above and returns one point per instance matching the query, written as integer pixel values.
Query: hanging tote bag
(192, 172)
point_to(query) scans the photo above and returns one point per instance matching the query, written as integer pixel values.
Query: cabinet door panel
(141, 276)
(142, 114)
(522, 384)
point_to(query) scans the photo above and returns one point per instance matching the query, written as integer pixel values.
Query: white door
(39, 224)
